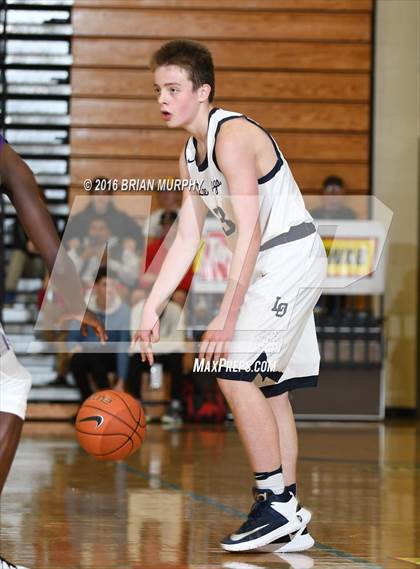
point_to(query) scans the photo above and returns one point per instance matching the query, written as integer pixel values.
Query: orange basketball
(110, 425)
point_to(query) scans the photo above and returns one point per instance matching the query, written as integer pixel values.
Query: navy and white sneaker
(294, 542)
(4, 564)
(271, 517)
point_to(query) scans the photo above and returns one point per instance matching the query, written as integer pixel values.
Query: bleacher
(36, 69)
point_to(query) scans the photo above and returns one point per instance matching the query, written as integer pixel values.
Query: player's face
(178, 101)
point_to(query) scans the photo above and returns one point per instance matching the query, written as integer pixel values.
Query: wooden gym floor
(168, 505)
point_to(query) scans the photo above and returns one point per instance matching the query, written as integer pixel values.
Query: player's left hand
(215, 342)
(148, 333)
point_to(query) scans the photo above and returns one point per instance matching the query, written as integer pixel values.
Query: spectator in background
(333, 203)
(155, 254)
(121, 225)
(168, 203)
(119, 256)
(170, 350)
(108, 307)
(24, 259)
(333, 207)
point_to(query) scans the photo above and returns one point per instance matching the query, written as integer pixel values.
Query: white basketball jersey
(281, 203)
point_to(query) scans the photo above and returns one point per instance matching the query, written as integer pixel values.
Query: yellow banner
(350, 257)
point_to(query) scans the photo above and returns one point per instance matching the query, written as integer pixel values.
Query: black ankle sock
(291, 488)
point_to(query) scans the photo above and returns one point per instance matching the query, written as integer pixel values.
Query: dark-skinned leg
(10, 431)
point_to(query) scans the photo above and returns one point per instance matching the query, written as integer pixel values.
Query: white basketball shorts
(15, 380)
(275, 343)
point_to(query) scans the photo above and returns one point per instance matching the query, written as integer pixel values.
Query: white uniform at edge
(281, 203)
(15, 380)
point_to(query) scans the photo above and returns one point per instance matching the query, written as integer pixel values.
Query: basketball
(110, 425)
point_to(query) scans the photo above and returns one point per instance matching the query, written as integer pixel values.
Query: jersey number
(227, 224)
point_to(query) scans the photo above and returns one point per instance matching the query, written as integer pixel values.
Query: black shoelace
(3, 560)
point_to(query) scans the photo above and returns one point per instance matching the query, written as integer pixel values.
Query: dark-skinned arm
(18, 183)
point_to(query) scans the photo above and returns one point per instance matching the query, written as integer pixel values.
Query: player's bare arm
(20, 186)
(177, 261)
(237, 157)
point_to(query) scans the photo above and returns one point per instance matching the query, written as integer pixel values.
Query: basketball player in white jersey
(18, 183)
(277, 268)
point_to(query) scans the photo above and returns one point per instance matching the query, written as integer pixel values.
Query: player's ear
(204, 92)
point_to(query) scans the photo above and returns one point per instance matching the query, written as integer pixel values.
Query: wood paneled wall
(302, 68)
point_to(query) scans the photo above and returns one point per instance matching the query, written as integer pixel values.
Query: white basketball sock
(270, 481)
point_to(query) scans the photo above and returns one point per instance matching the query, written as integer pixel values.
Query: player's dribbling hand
(89, 320)
(215, 342)
(148, 333)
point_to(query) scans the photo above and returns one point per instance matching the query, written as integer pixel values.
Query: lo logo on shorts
(279, 308)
